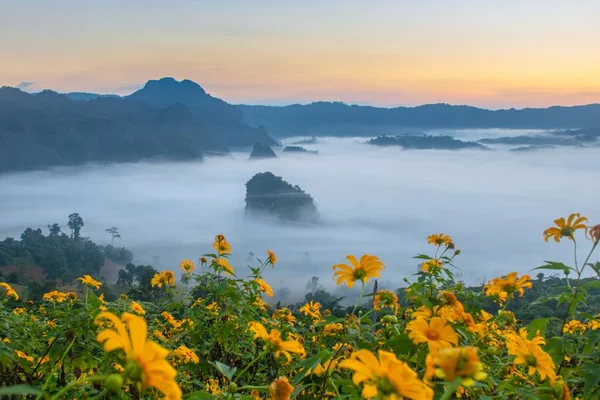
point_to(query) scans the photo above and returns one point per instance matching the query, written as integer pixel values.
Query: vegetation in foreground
(212, 335)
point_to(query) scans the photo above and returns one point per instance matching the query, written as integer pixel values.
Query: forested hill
(339, 119)
(165, 119)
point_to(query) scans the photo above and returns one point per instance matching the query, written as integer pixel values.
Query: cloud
(24, 85)
(382, 201)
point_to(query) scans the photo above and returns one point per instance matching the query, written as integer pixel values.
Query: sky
(385, 201)
(493, 54)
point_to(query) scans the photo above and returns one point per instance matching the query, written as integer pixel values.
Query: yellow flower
(90, 282)
(274, 342)
(504, 288)
(438, 240)
(72, 296)
(24, 356)
(137, 308)
(368, 267)
(145, 360)
(574, 327)
(284, 314)
(312, 309)
(185, 355)
(213, 308)
(424, 312)
(260, 304)
(213, 387)
(44, 360)
(385, 298)
(6, 340)
(264, 286)
(272, 259)
(203, 260)
(593, 324)
(187, 265)
(530, 354)
(101, 298)
(332, 329)
(385, 377)
(55, 296)
(451, 363)
(221, 245)
(223, 264)
(281, 389)
(565, 228)
(124, 296)
(51, 323)
(437, 334)
(9, 291)
(328, 367)
(159, 335)
(19, 311)
(163, 278)
(431, 265)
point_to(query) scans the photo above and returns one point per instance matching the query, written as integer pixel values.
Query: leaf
(227, 371)
(592, 378)
(539, 324)
(544, 300)
(593, 284)
(423, 257)
(554, 266)
(555, 346)
(21, 390)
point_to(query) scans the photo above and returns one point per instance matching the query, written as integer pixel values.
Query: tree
(313, 285)
(75, 224)
(114, 233)
(54, 230)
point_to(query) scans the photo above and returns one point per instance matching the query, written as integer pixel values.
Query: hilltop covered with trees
(271, 196)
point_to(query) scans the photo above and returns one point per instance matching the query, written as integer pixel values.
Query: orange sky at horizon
(391, 53)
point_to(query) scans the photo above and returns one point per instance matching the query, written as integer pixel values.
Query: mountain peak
(167, 91)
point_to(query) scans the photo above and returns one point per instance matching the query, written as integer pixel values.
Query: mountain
(260, 151)
(83, 96)
(425, 142)
(50, 129)
(270, 196)
(339, 119)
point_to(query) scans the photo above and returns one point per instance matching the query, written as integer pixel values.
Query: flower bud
(113, 382)
(233, 387)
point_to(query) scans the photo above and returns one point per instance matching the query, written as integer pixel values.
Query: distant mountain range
(339, 119)
(165, 119)
(178, 120)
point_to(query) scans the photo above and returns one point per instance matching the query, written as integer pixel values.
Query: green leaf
(423, 257)
(544, 300)
(592, 378)
(21, 390)
(593, 284)
(554, 266)
(227, 371)
(539, 324)
(555, 346)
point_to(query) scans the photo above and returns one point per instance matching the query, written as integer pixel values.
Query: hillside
(165, 119)
(339, 119)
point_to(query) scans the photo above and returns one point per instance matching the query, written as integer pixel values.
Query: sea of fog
(382, 201)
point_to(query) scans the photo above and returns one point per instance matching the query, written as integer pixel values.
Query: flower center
(566, 231)
(385, 388)
(359, 274)
(531, 360)
(432, 334)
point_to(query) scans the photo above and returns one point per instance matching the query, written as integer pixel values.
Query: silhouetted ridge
(425, 142)
(262, 151)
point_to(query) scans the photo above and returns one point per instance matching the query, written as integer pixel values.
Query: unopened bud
(233, 387)
(113, 382)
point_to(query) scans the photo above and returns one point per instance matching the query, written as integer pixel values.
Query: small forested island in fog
(270, 196)
(422, 142)
(568, 137)
(298, 149)
(260, 151)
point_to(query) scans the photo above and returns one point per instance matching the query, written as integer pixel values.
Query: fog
(382, 201)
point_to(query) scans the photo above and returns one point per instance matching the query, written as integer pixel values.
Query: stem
(450, 390)
(251, 363)
(362, 292)
(77, 383)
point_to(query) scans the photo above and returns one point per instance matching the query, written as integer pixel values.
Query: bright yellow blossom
(145, 360)
(87, 280)
(221, 245)
(436, 333)
(385, 377)
(274, 342)
(505, 287)
(137, 308)
(9, 291)
(312, 309)
(451, 363)
(264, 286)
(185, 355)
(271, 258)
(187, 265)
(565, 228)
(530, 354)
(368, 267)
(281, 389)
